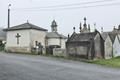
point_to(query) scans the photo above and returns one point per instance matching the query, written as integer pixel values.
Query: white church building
(25, 37)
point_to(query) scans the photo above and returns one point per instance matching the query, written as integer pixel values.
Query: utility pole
(9, 15)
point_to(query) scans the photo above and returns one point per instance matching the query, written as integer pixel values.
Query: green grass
(114, 62)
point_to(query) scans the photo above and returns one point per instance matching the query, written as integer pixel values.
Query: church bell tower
(54, 26)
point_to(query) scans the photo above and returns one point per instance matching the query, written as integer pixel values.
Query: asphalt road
(30, 67)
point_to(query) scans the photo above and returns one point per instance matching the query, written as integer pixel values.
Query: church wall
(53, 41)
(37, 35)
(63, 45)
(57, 41)
(24, 40)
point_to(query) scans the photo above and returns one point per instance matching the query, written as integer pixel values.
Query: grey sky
(103, 16)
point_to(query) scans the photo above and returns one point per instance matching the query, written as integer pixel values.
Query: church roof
(55, 35)
(2, 34)
(25, 26)
(82, 37)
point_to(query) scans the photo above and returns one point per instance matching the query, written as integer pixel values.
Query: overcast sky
(67, 17)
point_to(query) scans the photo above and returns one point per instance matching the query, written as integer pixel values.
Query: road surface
(31, 67)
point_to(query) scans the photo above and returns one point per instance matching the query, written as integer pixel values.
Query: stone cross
(85, 19)
(74, 29)
(85, 25)
(17, 36)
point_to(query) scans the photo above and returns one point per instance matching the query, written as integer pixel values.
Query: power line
(102, 5)
(68, 5)
(69, 8)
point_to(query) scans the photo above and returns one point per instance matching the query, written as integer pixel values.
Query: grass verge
(114, 62)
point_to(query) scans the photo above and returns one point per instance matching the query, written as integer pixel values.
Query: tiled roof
(55, 35)
(25, 26)
(82, 37)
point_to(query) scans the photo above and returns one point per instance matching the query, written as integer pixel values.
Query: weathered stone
(86, 45)
(59, 52)
(19, 49)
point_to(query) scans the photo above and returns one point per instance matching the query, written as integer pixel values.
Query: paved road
(28, 67)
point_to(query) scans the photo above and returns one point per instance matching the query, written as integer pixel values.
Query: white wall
(24, 40)
(63, 43)
(53, 41)
(57, 41)
(37, 35)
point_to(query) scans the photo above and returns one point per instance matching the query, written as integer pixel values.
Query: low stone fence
(59, 52)
(38, 50)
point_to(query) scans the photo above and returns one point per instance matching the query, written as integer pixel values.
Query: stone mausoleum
(86, 44)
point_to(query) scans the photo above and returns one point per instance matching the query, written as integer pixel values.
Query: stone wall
(98, 44)
(108, 48)
(116, 48)
(19, 49)
(38, 51)
(77, 49)
(59, 52)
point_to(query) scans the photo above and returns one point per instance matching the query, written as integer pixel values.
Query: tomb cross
(85, 20)
(17, 36)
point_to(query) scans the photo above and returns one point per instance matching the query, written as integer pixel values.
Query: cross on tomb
(85, 19)
(18, 36)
